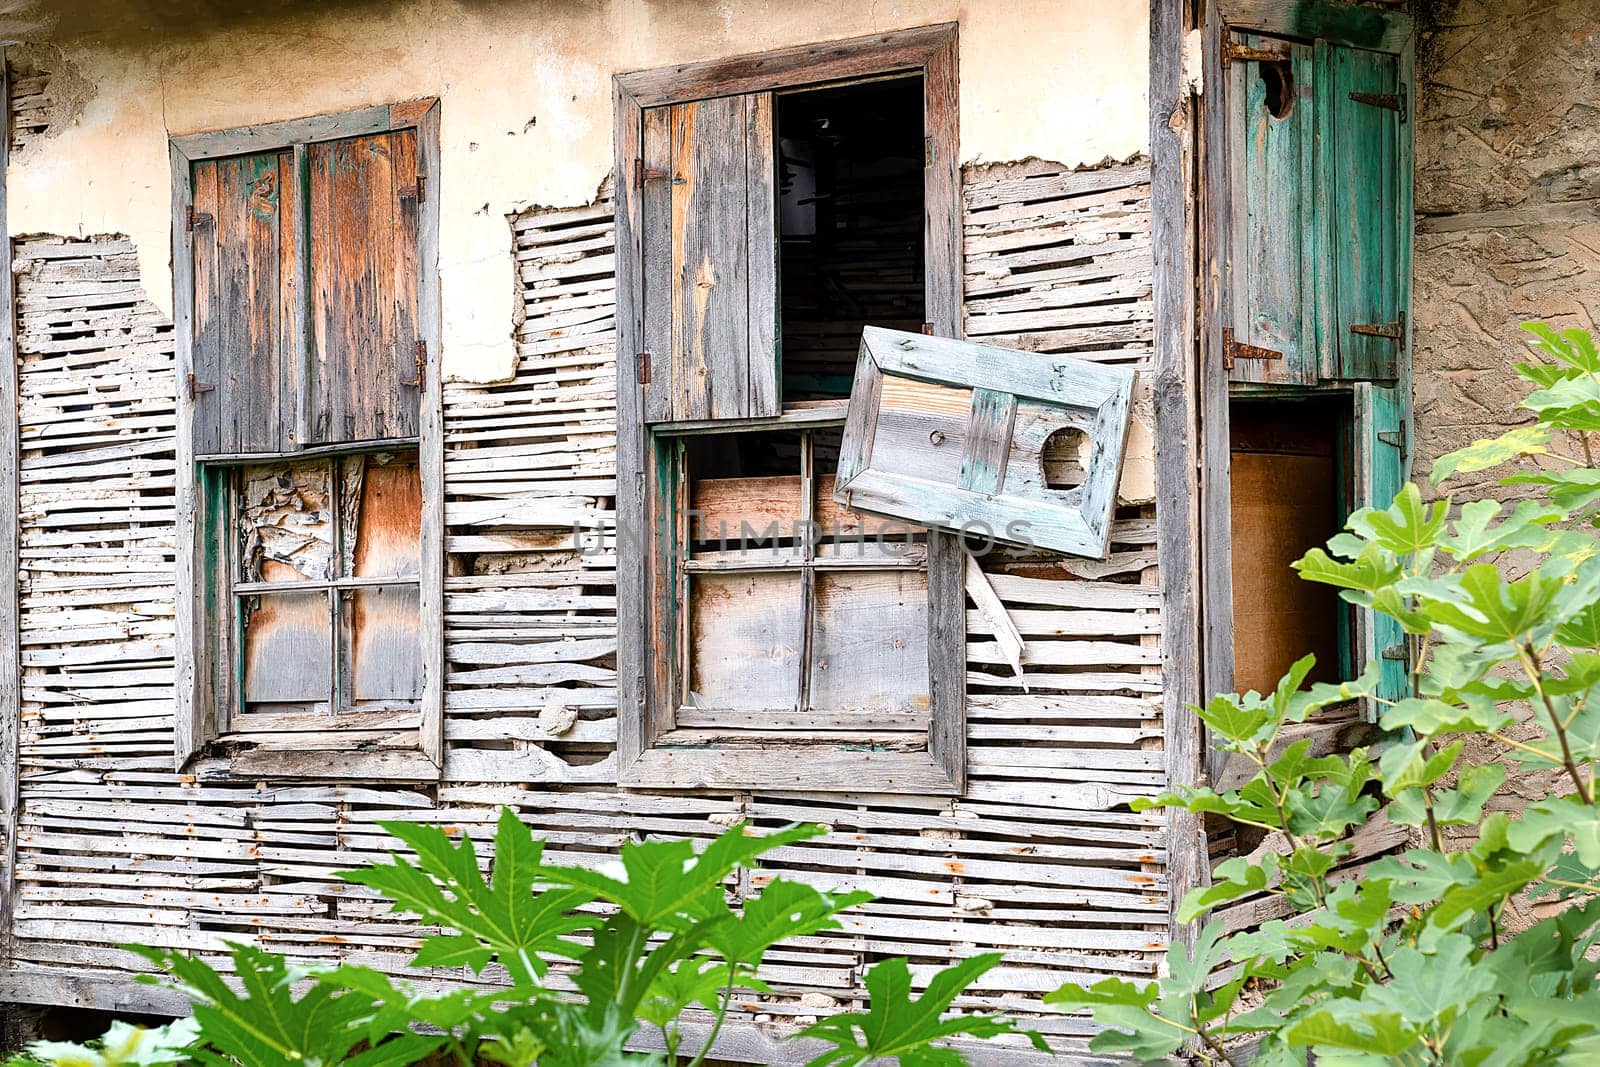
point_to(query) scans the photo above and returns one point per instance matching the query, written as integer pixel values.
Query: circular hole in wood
(1278, 80)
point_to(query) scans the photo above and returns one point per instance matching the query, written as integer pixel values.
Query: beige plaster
(526, 108)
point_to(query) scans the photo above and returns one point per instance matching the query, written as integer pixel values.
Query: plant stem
(1433, 822)
(722, 1013)
(1535, 671)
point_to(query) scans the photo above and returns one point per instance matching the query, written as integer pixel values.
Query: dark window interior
(851, 211)
(1291, 492)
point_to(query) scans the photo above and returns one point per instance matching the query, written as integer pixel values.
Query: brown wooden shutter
(364, 382)
(243, 236)
(710, 253)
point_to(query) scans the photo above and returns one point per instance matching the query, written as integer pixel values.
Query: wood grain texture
(710, 242)
(926, 449)
(363, 248)
(10, 485)
(1272, 182)
(1362, 192)
(1380, 472)
(855, 57)
(1176, 392)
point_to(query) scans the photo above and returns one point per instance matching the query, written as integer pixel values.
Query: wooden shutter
(1380, 473)
(365, 379)
(1365, 207)
(244, 236)
(1271, 331)
(710, 256)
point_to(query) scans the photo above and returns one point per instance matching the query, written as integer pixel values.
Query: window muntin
(798, 612)
(324, 587)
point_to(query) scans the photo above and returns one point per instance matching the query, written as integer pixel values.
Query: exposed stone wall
(1508, 199)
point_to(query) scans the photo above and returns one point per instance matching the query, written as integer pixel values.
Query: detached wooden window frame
(1247, 347)
(208, 667)
(649, 615)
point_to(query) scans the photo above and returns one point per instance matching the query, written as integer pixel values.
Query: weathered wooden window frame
(1380, 30)
(202, 511)
(647, 610)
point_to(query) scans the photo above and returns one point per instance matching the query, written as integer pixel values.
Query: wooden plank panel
(208, 312)
(718, 341)
(383, 517)
(1364, 192)
(1272, 121)
(380, 629)
(744, 640)
(288, 651)
(869, 651)
(363, 249)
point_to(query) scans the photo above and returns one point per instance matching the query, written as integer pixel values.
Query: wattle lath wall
(1041, 858)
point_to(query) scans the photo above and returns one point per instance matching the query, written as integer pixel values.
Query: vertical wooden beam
(942, 297)
(1215, 273)
(633, 532)
(10, 624)
(1177, 431)
(430, 444)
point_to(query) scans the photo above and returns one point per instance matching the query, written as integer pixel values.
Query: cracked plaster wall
(526, 108)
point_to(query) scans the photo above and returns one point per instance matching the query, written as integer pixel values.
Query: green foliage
(639, 945)
(122, 1046)
(1411, 962)
(904, 1027)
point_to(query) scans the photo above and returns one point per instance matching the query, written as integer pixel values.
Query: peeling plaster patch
(48, 93)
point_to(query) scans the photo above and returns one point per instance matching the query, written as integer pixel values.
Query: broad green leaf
(1368, 572)
(511, 917)
(1531, 439)
(1558, 819)
(783, 909)
(904, 1027)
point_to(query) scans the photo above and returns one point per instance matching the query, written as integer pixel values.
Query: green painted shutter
(1380, 473)
(1362, 209)
(1272, 135)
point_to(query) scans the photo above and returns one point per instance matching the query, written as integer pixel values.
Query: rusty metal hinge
(1394, 438)
(1233, 50)
(927, 328)
(1232, 350)
(194, 218)
(1394, 331)
(641, 367)
(420, 350)
(642, 174)
(417, 190)
(198, 386)
(1395, 101)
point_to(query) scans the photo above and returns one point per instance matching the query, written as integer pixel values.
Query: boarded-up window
(305, 321)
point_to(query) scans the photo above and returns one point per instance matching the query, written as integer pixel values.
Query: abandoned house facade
(652, 416)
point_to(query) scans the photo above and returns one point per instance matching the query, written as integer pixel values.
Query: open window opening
(851, 209)
(1292, 489)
